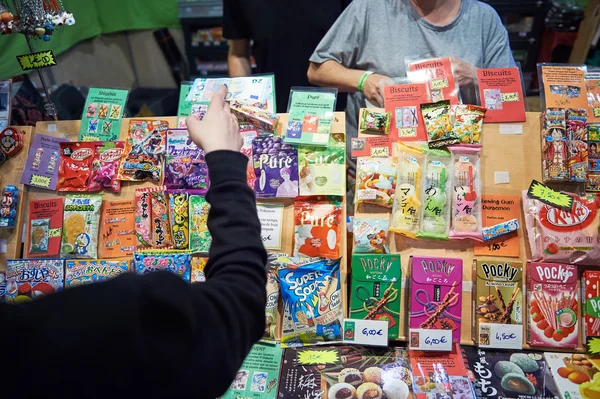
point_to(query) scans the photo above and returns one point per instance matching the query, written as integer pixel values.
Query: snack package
(323, 169)
(179, 218)
(554, 145)
(312, 301)
(200, 239)
(144, 151)
(161, 230)
(435, 195)
(177, 262)
(591, 304)
(80, 272)
(272, 296)
(75, 166)
(185, 166)
(276, 168)
(105, 166)
(44, 228)
(577, 146)
(438, 124)
(318, 226)
(593, 176)
(552, 305)
(375, 181)
(246, 149)
(407, 207)
(560, 236)
(2, 287)
(374, 122)
(118, 238)
(80, 227)
(466, 195)
(143, 217)
(468, 123)
(9, 206)
(198, 267)
(27, 279)
(370, 235)
(258, 118)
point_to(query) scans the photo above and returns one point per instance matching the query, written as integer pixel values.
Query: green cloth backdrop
(93, 18)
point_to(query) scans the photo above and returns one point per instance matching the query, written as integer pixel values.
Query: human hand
(372, 88)
(463, 71)
(219, 129)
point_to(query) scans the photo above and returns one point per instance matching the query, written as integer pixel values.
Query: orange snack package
(318, 226)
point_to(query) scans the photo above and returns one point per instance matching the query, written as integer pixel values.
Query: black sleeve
(154, 335)
(235, 23)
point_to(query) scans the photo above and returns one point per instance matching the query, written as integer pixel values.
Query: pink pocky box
(436, 294)
(552, 305)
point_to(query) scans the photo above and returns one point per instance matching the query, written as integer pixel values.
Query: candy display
(436, 295)
(438, 124)
(105, 165)
(44, 229)
(81, 220)
(276, 168)
(577, 145)
(185, 166)
(321, 169)
(375, 181)
(144, 151)
(374, 122)
(554, 146)
(370, 235)
(79, 272)
(407, 209)
(312, 301)
(30, 279)
(272, 295)
(435, 194)
(468, 123)
(318, 226)
(118, 234)
(179, 218)
(200, 238)
(75, 166)
(256, 117)
(466, 193)
(593, 176)
(552, 305)
(198, 269)
(591, 303)
(177, 262)
(375, 289)
(8, 206)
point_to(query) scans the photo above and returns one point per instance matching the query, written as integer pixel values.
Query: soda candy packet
(370, 235)
(80, 227)
(179, 218)
(105, 166)
(144, 151)
(276, 168)
(318, 230)
(80, 272)
(435, 218)
(438, 124)
(177, 262)
(248, 136)
(468, 123)
(466, 219)
(323, 169)
(272, 296)
(375, 122)
(143, 217)
(312, 301)
(375, 181)
(200, 238)
(560, 236)
(198, 267)
(185, 166)
(75, 166)
(406, 212)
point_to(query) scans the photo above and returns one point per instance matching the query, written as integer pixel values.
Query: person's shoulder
(371, 5)
(482, 10)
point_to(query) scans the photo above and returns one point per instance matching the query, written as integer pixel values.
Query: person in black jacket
(153, 336)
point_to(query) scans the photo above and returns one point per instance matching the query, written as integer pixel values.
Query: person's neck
(437, 12)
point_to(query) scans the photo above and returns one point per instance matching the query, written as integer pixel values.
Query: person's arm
(238, 58)
(237, 31)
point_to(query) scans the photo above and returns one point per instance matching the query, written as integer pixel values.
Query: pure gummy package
(276, 168)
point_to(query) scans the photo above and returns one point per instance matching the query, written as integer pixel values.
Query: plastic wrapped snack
(438, 124)
(105, 166)
(370, 235)
(560, 236)
(75, 166)
(323, 169)
(143, 217)
(144, 152)
(375, 181)
(258, 118)
(468, 123)
(152, 218)
(185, 166)
(272, 296)
(198, 269)
(177, 262)
(407, 206)
(554, 145)
(81, 222)
(466, 193)
(276, 168)
(318, 230)
(179, 218)
(200, 238)
(312, 301)
(375, 122)
(435, 194)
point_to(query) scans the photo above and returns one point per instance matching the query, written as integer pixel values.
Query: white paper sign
(501, 177)
(511, 129)
(366, 332)
(430, 340)
(271, 220)
(501, 336)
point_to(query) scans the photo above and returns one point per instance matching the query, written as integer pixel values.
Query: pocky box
(498, 298)
(32, 278)
(552, 305)
(80, 272)
(436, 294)
(591, 303)
(376, 280)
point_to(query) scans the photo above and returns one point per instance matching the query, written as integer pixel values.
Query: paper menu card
(41, 168)
(403, 101)
(501, 92)
(498, 209)
(101, 118)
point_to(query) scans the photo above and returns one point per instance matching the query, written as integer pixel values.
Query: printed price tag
(37, 60)
(430, 340)
(510, 97)
(500, 336)
(380, 152)
(366, 332)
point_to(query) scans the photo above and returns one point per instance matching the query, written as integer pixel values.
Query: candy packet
(406, 212)
(81, 222)
(468, 123)
(144, 151)
(177, 262)
(466, 195)
(246, 149)
(200, 238)
(375, 181)
(435, 218)
(276, 168)
(179, 218)
(75, 166)
(375, 122)
(318, 222)
(438, 124)
(554, 145)
(105, 166)
(143, 217)
(370, 235)
(258, 118)
(9, 206)
(272, 296)
(577, 144)
(198, 267)
(323, 169)
(560, 236)
(185, 166)
(312, 301)
(152, 218)
(80, 272)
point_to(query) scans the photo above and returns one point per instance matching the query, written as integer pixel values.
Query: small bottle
(37, 158)
(52, 162)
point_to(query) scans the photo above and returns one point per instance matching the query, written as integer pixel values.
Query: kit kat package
(436, 294)
(591, 303)
(552, 305)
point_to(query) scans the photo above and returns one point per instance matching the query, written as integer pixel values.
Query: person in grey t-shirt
(377, 35)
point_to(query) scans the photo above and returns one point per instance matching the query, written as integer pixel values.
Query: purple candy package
(185, 166)
(276, 168)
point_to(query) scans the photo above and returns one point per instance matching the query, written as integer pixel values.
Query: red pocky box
(552, 305)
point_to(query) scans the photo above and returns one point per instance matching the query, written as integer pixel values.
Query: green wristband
(363, 79)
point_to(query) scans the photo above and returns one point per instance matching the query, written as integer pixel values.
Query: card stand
(500, 336)
(430, 340)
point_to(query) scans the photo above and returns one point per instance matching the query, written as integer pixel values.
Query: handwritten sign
(308, 357)
(364, 146)
(439, 84)
(510, 97)
(380, 152)
(501, 336)
(39, 181)
(271, 220)
(550, 197)
(431, 340)
(596, 111)
(366, 332)
(41, 59)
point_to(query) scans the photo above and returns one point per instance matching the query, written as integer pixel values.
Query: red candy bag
(318, 222)
(105, 166)
(559, 236)
(75, 166)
